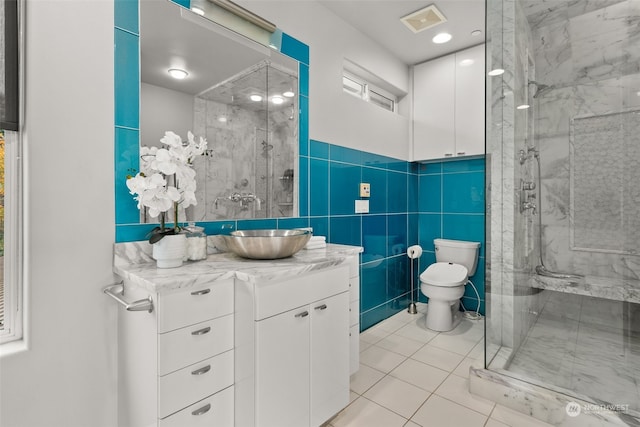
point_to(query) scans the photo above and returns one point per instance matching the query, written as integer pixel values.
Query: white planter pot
(170, 251)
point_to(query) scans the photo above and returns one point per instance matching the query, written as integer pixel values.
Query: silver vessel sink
(266, 244)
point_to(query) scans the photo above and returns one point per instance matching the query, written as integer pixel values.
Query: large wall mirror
(242, 96)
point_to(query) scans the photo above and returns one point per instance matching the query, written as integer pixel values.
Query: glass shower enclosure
(563, 198)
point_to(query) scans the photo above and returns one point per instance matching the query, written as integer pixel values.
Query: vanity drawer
(191, 384)
(214, 411)
(195, 305)
(188, 345)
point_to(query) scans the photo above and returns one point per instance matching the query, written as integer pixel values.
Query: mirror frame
(127, 120)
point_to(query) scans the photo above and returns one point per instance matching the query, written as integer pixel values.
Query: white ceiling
(380, 20)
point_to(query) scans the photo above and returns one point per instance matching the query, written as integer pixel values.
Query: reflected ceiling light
(466, 62)
(197, 11)
(476, 33)
(277, 100)
(289, 94)
(222, 119)
(441, 38)
(177, 73)
(496, 72)
(638, 93)
(255, 98)
(522, 107)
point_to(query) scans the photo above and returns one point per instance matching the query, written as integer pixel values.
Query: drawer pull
(321, 307)
(202, 410)
(448, 154)
(201, 331)
(461, 153)
(202, 370)
(201, 292)
(303, 314)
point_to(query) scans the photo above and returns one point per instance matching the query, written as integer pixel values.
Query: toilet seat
(445, 274)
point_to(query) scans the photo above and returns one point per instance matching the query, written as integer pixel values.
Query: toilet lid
(445, 274)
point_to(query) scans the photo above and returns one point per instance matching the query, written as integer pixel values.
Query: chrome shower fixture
(526, 155)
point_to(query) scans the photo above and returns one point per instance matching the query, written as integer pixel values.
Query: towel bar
(116, 292)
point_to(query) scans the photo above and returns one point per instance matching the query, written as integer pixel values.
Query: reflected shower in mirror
(238, 94)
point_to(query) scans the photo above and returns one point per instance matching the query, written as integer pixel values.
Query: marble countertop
(136, 267)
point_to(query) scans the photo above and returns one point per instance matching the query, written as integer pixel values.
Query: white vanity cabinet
(176, 364)
(354, 314)
(292, 349)
(448, 109)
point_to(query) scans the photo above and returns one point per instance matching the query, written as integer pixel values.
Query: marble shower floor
(587, 345)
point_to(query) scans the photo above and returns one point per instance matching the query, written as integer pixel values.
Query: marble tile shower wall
(248, 153)
(451, 204)
(588, 52)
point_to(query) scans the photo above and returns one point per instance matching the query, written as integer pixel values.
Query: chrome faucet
(529, 204)
(243, 198)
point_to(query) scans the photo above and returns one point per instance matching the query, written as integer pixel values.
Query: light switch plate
(362, 206)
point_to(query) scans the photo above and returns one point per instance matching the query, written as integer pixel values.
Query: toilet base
(442, 316)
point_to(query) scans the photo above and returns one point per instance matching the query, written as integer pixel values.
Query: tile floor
(411, 376)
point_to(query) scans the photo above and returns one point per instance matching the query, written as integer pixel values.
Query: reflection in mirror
(250, 167)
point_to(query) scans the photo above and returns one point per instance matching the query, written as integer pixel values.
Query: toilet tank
(459, 252)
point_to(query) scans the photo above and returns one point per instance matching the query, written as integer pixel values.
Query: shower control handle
(528, 185)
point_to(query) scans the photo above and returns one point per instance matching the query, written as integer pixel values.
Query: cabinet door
(282, 369)
(470, 101)
(433, 109)
(329, 357)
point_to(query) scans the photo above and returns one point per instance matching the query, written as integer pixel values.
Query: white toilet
(444, 281)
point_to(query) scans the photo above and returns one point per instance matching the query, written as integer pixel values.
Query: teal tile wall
(451, 206)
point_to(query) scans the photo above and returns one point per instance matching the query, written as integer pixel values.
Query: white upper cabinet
(449, 106)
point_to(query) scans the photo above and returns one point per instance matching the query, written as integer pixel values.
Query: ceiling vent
(425, 18)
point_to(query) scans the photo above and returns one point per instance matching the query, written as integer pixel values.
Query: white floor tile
(366, 377)
(453, 343)
(438, 357)
(478, 351)
(440, 412)
(411, 424)
(381, 359)
(400, 397)
(457, 389)
(493, 423)
(417, 333)
(399, 344)
(420, 374)
(373, 335)
(463, 368)
(364, 344)
(404, 316)
(365, 413)
(515, 419)
(390, 325)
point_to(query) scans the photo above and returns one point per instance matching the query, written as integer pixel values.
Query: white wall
(67, 377)
(156, 118)
(334, 116)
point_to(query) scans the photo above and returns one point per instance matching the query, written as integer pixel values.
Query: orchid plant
(167, 179)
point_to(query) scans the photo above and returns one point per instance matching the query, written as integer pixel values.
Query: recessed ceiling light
(288, 94)
(177, 73)
(638, 93)
(466, 62)
(441, 38)
(522, 107)
(496, 72)
(222, 119)
(277, 100)
(255, 98)
(197, 11)
(476, 33)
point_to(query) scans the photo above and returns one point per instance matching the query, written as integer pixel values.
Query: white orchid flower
(171, 139)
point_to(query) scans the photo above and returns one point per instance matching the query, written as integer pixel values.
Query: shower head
(540, 88)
